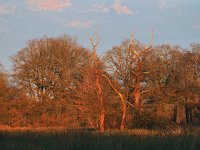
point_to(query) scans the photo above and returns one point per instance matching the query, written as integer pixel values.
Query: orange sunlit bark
(138, 74)
(98, 86)
(122, 125)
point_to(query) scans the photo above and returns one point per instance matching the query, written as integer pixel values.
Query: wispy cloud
(80, 24)
(196, 26)
(121, 9)
(48, 5)
(164, 4)
(99, 8)
(7, 9)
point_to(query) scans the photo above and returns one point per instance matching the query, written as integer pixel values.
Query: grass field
(29, 140)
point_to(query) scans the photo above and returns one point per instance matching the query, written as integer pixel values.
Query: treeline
(56, 82)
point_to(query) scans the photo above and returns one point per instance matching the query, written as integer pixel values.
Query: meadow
(74, 140)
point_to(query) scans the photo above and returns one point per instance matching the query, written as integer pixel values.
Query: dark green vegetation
(95, 141)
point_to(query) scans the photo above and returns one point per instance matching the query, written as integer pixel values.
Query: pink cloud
(80, 24)
(119, 8)
(100, 8)
(49, 5)
(6, 9)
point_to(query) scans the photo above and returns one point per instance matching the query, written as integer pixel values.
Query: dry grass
(173, 131)
(32, 129)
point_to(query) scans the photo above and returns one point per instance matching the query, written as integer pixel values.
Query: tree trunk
(122, 126)
(190, 114)
(123, 103)
(137, 88)
(137, 103)
(98, 87)
(138, 76)
(187, 117)
(101, 104)
(174, 117)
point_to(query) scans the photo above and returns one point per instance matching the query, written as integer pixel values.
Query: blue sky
(175, 22)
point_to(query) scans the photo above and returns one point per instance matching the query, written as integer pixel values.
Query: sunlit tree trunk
(101, 105)
(123, 103)
(136, 56)
(137, 88)
(98, 86)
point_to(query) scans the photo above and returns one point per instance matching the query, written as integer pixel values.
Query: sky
(175, 22)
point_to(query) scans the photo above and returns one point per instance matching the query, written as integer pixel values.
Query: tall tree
(138, 75)
(48, 68)
(173, 78)
(126, 62)
(97, 75)
(190, 83)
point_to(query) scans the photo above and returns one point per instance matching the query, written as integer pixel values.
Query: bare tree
(122, 98)
(94, 40)
(49, 68)
(126, 62)
(137, 56)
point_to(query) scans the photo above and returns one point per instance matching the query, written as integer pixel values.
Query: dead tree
(123, 103)
(137, 56)
(94, 40)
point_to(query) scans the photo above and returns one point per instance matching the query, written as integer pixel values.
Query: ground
(138, 139)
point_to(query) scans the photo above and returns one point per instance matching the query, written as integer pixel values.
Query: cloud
(48, 5)
(119, 8)
(7, 9)
(196, 26)
(80, 24)
(164, 4)
(100, 8)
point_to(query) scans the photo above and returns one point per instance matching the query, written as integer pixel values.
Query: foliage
(55, 85)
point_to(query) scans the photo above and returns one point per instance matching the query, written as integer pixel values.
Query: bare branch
(94, 40)
(132, 41)
(145, 72)
(145, 50)
(112, 86)
(152, 38)
(145, 91)
(122, 102)
(129, 104)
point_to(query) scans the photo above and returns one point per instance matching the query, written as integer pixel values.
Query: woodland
(56, 82)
